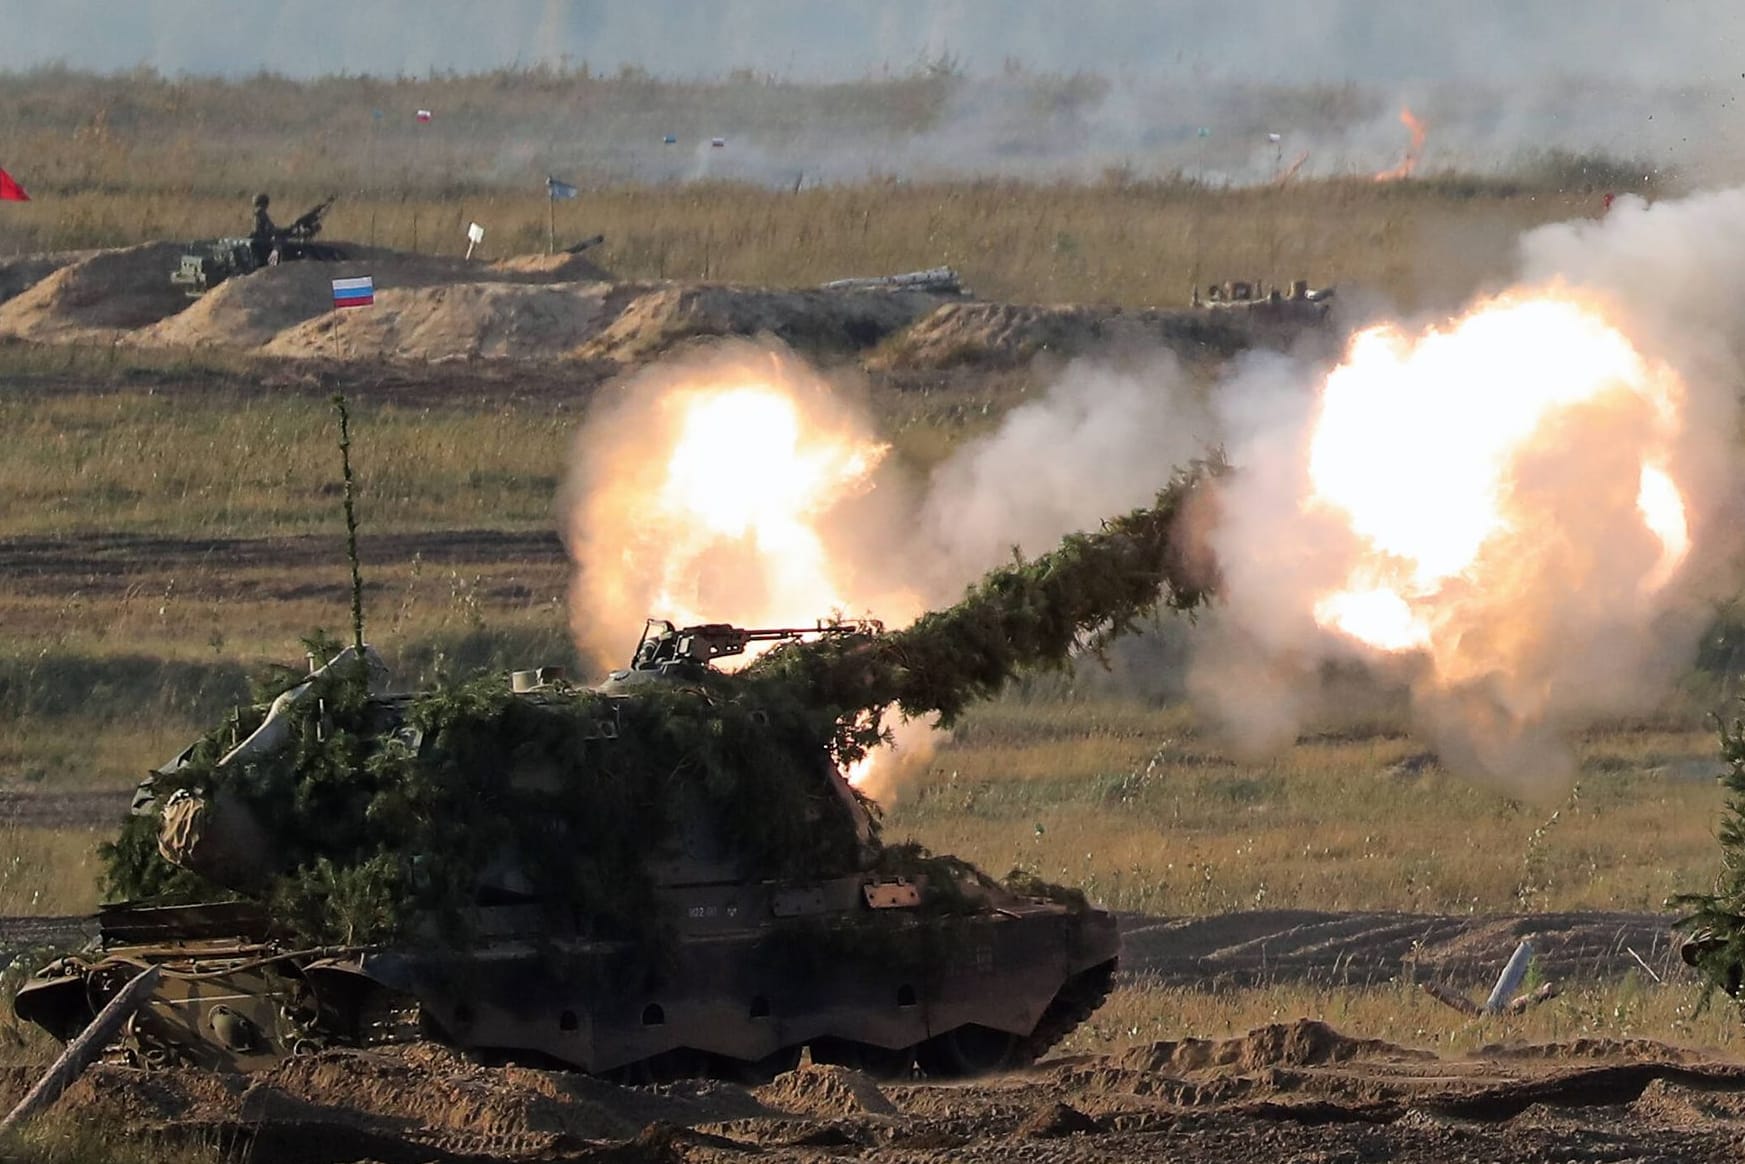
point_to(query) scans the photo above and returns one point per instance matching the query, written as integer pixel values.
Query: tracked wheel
(970, 1050)
(1075, 1002)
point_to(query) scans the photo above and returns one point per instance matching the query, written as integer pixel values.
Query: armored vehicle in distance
(206, 264)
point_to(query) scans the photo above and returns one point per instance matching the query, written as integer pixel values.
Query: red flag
(10, 190)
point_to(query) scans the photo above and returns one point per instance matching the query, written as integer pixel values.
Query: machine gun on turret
(666, 651)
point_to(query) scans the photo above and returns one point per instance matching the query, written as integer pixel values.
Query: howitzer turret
(666, 874)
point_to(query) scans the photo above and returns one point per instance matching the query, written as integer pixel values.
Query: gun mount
(206, 264)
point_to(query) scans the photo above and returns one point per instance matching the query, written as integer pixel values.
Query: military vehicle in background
(206, 264)
(1300, 303)
(664, 875)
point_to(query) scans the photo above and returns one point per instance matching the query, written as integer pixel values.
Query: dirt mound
(1634, 1050)
(558, 268)
(1053, 1120)
(423, 1102)
(98, 296)
(461, 321)
(1304, 1043)
(254, 310)
(812, 321)
(826, 1091)
(24, 271)
(1006, 334)
(1284, 1092)
(1666, 1101)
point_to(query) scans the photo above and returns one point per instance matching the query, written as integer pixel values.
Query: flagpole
(550, 218)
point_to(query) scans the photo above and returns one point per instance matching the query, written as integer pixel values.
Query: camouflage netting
(1031, 614)
(377, 826)
(384, 814)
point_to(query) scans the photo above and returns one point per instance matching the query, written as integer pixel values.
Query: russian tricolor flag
(359, 292)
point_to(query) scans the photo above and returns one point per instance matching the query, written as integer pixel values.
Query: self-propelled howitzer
(664, 874)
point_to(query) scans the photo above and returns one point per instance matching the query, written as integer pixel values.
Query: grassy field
(1131, 244)
(1096, 781)
(1141, 806)
(1102, 783)
(118, 160)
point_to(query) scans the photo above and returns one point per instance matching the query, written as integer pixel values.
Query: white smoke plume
(1090, 448)
(1611, 509)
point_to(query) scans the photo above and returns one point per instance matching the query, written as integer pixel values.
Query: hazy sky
(1280, 41)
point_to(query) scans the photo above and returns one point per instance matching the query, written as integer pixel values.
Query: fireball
(1488, 477)
(706, 494)
(745, 474)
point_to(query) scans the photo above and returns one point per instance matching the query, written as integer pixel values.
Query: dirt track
(1286, 1092)
(113, 563)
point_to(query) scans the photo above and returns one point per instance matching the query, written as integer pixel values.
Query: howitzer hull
(736, 992)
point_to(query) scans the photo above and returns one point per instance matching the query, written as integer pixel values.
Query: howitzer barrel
(308, 224)
(1030, 614)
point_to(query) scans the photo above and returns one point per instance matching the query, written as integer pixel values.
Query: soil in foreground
(1297, 1091)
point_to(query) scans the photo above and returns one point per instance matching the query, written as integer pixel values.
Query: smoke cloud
(1091, 447)
(1034, 91)
(1580, 603)
(1517, 518)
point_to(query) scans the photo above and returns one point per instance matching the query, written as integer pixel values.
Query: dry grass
(263, 465)
(1146, 811)
(48, 871)
(1129, 244)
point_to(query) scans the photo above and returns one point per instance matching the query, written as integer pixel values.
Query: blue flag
(557, 189)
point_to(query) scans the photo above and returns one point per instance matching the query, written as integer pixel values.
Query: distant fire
(1409, 162)
(1485, 473)
(1291, 170)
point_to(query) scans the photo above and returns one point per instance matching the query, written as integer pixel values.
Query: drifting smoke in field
(1515, 513)
(1090, 448)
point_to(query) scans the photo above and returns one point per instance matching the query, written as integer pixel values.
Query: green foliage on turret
(1028, 615)
(391, 818)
